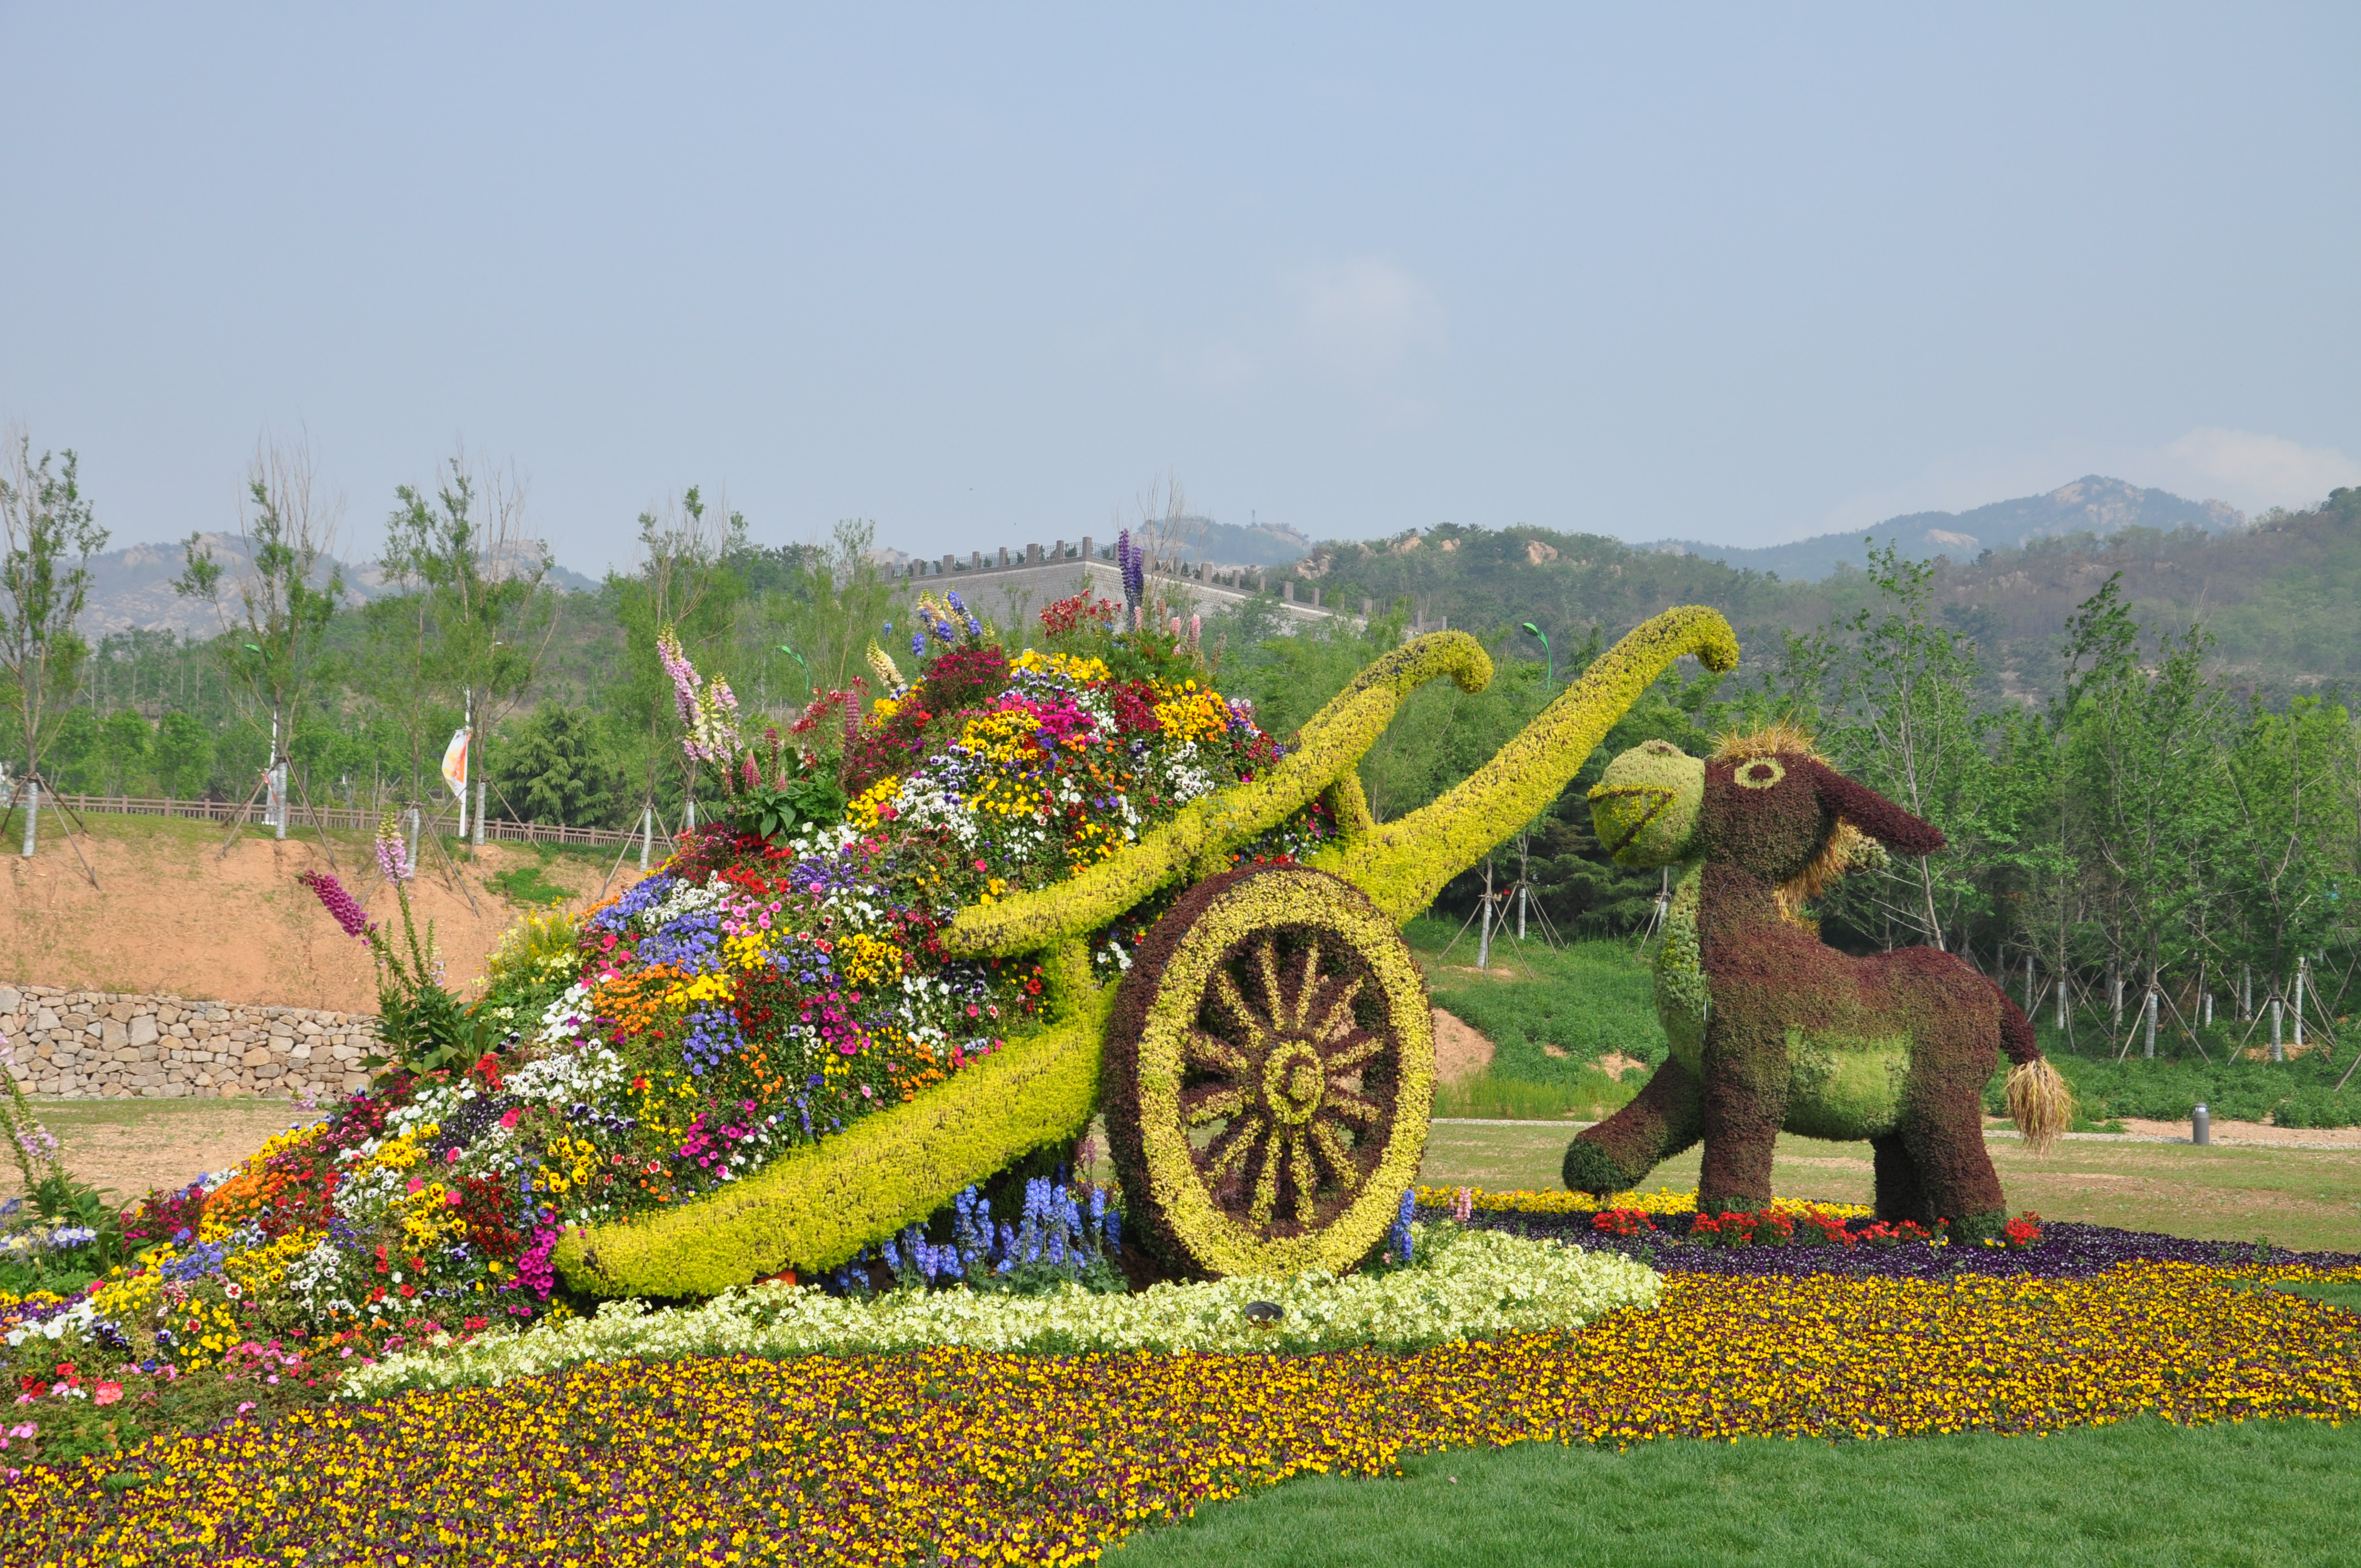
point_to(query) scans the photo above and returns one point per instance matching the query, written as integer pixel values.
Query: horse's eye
(1760, 774)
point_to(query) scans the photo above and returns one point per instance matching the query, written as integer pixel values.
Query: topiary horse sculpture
(1773, 1030)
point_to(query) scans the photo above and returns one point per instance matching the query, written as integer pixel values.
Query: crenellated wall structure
(1014, 582)
(96, 1045)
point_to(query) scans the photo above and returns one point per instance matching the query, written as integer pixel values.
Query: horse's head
(1764, 803)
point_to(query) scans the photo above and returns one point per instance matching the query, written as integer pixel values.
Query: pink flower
(392, 855)
(511, 1116)
(340, 904)
(245, 1407)
(108, 1393)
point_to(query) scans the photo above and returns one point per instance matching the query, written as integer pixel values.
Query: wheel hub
(1294, 1081)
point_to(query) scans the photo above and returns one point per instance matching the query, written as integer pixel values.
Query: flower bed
(1467, 1285)
(1840, 1239)
(981, 1457)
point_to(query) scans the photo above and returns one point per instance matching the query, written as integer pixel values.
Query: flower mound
(968, 1456)
(760, 993)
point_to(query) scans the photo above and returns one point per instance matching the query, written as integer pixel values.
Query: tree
(183, 755)
(688, 580)
(71, 761)
(123, 746)
(46, 538)
(552, 768)
(2290, 830)
(273, 646)
(485, 583)
(827, 605)
(2143, 777)
(1907, 725)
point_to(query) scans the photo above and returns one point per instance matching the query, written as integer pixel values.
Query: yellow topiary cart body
(1267, 1065)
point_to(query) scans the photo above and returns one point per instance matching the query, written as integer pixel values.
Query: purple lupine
(342, 904)
(1132, 564)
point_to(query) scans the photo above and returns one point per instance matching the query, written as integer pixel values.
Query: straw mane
(1837, 852)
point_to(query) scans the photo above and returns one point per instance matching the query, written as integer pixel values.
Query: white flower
(1470, 1284)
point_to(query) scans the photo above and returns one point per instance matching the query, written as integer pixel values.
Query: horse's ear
(1876, 815)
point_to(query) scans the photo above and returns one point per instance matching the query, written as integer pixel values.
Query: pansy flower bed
(1664, 1230)
(968, 1456)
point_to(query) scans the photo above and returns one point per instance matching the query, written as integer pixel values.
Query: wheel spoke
(1274, 1004)
(1242, 1012)
(1307, 985)
(1338, 1017)
(1230, 1146)
(1199, 1106)
(1339, 1160)
(1299, 1166)
(1211, 1051)
(1353, 1052)
(1266, 1186)
(1352, 1107)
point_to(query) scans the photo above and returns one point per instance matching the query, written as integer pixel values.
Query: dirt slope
(171, 915)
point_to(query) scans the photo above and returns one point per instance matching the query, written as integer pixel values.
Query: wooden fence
(347, 818)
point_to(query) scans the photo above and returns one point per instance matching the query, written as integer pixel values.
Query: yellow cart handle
(1403, 864)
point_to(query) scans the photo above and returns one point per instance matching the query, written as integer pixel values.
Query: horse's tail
(2039, 1101)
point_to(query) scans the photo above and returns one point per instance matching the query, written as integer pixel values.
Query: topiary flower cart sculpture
(1265, 1065)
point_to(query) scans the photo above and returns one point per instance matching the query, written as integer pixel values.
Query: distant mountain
(133, 588)
(1231, 545)
(2094, 505)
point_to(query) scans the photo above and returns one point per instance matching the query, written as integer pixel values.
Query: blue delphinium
(1398, 1240)
(1054, 1243)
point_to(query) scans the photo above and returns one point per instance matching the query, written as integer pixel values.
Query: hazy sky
(986, 274)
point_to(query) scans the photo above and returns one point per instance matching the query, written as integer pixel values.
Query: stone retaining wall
(95, 1044)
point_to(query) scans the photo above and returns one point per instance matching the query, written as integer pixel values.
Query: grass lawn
(2299, 1198)
(2268, 1494)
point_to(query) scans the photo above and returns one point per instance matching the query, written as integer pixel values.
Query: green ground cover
(2268, 1494)
(2299, 1092)
(1551, 1014)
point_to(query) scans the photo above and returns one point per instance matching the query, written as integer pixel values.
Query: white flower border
(1469, 1285)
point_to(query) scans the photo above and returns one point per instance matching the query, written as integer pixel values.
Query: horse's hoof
(1977, 1229)
(1589, 1168)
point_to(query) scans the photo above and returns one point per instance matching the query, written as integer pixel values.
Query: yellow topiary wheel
(1268, 1073)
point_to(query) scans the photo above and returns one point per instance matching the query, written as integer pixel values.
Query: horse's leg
(1745, 1101)
(1899, 1194)
(1663, 1119)
(1943, 1129)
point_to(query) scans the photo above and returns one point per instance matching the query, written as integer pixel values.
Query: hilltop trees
(48, 535)
(273, 645)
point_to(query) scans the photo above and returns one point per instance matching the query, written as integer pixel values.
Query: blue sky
(987, 275)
